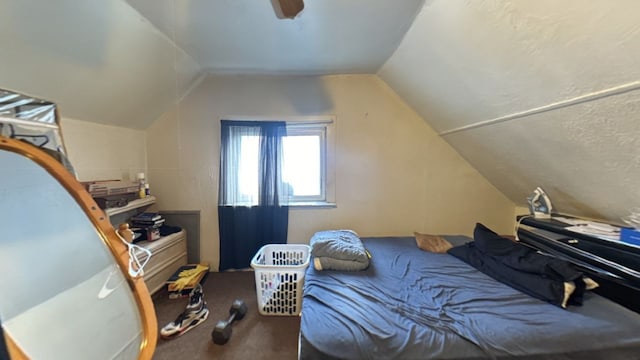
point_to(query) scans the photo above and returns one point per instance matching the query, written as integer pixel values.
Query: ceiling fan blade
(287, 9)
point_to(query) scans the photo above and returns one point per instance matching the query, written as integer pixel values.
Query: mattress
(412, 304)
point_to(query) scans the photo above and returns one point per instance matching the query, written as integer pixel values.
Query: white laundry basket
(280, 273)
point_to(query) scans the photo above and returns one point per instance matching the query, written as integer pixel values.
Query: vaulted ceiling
(245, 36)
(531, 93)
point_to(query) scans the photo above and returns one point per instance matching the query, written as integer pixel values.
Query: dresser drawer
(156, 281)
(167, 255)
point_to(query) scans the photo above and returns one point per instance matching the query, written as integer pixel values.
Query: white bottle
(141, 186)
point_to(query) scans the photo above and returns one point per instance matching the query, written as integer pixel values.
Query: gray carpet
(254, 337)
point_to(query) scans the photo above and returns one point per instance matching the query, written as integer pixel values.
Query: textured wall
(393, 174)
(532, 93)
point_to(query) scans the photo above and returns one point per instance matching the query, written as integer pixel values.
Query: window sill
(312, 205)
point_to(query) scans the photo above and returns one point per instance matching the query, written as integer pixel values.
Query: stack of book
(149, 222)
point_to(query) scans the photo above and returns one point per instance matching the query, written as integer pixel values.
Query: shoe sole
(193, 324)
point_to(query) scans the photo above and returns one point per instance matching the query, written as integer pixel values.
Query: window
(306, 164)
(304, 161)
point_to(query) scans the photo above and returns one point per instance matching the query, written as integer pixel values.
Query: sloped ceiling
(101, 61)
(245, 36)
(533, 93)
(124, 63)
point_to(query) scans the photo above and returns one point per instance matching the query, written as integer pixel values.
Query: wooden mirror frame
(106, 233)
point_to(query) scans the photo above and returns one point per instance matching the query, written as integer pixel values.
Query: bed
(413, 304)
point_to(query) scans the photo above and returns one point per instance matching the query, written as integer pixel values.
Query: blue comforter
(412, 304)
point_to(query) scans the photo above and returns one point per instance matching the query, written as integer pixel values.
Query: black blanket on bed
(522, 267)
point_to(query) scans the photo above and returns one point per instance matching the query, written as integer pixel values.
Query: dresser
(168, 253)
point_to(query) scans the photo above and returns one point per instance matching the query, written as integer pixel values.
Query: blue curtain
(252, 199)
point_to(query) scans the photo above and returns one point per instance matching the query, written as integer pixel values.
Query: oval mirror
(66, 291)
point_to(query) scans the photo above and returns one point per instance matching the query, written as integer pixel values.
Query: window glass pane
(302, 164)
(248, 170)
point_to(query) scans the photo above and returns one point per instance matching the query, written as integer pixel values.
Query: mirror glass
(62, 293)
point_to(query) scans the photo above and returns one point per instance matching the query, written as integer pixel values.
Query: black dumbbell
(222, 332)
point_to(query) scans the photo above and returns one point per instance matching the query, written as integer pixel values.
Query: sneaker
(195, 314)
(186, 321)
(196, 299)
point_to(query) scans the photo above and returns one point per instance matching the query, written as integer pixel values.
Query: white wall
(103, 152)
(394, 175)
(533, 93)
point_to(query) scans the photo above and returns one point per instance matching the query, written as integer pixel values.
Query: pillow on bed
(432, 243)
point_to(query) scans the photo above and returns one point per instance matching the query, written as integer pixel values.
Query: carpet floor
(254, 337)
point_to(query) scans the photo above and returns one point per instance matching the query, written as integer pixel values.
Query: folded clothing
(338, 250)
